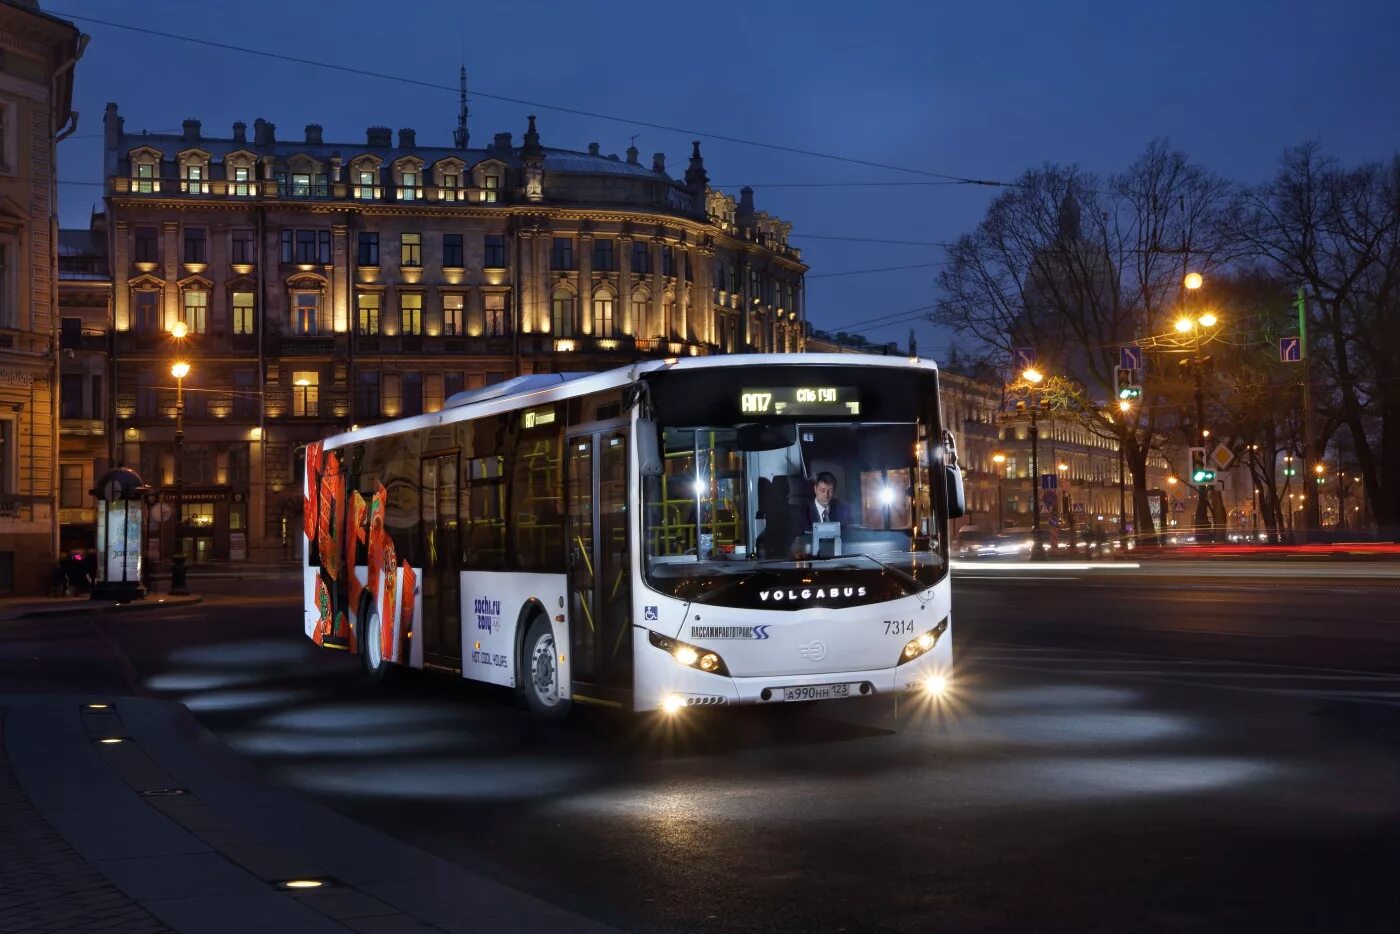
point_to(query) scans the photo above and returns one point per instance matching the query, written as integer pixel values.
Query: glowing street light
(1032, 375)
(1000, 459)
(179, 330)
(1193, 281)
(179, 369)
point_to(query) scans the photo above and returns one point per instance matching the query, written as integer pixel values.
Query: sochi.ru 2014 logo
(813, 651)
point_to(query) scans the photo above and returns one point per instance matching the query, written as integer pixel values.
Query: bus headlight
(922, 643)
(688, 655)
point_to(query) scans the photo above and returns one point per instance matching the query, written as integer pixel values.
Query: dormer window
(491, 188)
(366, 184)
(302, 184)
(146, 181)
(408, 178)
(242, 179)
(194, 180)
(451, 187)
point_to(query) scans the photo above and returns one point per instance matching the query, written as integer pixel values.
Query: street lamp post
(1196, 326)
(179, 370)
(1000, 459)
(1125, 407)
(1033, 377)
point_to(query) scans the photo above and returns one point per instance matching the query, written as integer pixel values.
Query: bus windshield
(753, 507)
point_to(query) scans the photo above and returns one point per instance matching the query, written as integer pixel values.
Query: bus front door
(442, 596)
(600, 618)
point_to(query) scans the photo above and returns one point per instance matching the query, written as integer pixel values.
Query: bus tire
(377, 670)
(539, 673)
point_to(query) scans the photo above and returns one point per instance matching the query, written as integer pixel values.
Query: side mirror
(648, 440)
(957, 503)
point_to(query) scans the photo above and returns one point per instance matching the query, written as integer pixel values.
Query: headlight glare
(689, 656)
(923, 642)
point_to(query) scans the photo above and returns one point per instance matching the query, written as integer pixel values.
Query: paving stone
(44, 884)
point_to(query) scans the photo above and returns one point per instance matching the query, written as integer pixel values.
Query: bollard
(177, 576)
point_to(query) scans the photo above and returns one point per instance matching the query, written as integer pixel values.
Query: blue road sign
(1290, 349)
(1049, 481)
(1130, 358)
(1047, 502)
(1023, 358)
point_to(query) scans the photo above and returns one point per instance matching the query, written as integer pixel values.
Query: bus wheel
(540, 674)
(377, 670)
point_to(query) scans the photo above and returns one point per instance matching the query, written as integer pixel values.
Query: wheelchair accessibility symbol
(650, 613)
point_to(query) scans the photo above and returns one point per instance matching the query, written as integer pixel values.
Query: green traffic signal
(1202, 475)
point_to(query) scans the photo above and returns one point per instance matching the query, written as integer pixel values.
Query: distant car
(986, 543)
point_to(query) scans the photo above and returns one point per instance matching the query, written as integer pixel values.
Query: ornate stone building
(324, 284)
(37, 56)
(85, 313)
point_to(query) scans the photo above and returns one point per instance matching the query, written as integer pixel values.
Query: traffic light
(1200, 471)
(1128, 387)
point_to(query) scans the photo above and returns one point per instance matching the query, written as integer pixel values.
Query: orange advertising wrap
(313, 475)
(338, 521)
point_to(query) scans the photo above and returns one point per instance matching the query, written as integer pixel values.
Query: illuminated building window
(491, 185)
(306, 393)
(306, 313)
(411, 249)
(367, 313)
(242, 181)
(562, 313)
(146, 181)
(452, 306)
(497, 325)
(603, 314)
(452, 187)
(411, 314)
(409, 189)
(194, 179)
(243, 313)
(196, 310)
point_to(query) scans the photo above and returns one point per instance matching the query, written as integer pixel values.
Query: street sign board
(1047, 502)
(1078, 507)
(1130, 358)
(1222, 456)
(1178, 506)
(1049, 481)
(1290, 349)
(1023, 358)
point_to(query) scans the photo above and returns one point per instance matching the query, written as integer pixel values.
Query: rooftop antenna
(459, 135)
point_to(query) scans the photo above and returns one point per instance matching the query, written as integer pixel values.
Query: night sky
(981, 90)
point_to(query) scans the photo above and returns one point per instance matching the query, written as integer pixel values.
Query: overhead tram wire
(862, 272)
(418, 82)
(806, 236)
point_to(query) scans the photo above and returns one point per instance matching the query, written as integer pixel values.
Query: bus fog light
(671, 703)
(936, 686)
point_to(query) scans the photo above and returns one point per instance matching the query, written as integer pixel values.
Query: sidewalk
(36, 607)
(162, 827)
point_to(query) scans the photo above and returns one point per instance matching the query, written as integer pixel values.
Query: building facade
(37, 55)
(85, 313)
(326, 284)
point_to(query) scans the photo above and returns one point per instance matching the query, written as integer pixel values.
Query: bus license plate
(809, 692)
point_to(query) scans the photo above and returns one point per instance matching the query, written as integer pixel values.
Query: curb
(161, 603)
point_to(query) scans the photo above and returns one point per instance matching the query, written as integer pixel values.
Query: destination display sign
(799, 400)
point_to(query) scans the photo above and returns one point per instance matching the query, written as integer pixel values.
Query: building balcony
(82, 427)
(304, 345)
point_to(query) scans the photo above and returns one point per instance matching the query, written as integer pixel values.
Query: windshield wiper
(908, 578)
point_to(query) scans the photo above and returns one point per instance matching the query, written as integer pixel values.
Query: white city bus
(646, 537)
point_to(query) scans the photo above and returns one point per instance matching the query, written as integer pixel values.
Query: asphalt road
(1133, 753)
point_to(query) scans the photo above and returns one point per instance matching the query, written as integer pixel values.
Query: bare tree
(1336, 232)
(1075, 269)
